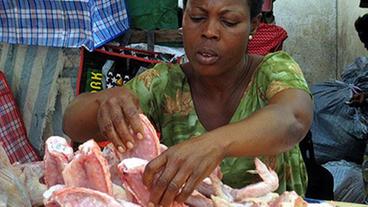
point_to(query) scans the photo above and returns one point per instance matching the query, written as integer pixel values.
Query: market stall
(53, 53)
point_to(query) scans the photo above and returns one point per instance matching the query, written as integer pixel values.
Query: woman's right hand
(118, 118)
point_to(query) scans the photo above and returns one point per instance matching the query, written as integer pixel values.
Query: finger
(111, 135)
(122, 127)
(193, 181)
(152, 168)
(164, 184)
(107, 128)
(188, 189)
(175, 185)
(131, 113)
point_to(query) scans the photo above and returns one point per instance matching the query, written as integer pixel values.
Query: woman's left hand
(174, 174)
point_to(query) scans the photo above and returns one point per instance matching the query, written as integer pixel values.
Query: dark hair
(361, 26)
(254, 5)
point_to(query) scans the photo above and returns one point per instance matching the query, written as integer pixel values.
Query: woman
(223, 107)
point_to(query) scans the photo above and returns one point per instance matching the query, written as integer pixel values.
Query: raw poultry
(91, 177)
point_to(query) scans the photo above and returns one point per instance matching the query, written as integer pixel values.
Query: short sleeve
(279, 72)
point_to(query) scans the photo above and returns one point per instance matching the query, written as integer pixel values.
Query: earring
(250, 37)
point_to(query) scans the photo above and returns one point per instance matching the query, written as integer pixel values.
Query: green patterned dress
(165, 97)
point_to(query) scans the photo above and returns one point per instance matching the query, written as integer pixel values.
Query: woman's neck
(226, 83)
(220, 95)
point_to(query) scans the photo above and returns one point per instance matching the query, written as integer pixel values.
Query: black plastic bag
(339, 130)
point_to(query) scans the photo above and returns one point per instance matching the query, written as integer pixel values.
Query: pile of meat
(91, 177)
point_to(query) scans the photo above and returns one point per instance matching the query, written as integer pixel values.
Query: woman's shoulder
(280, 62)
(280, 71)
(281, 57)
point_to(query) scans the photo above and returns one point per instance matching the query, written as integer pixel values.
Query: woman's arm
(273, 129)
(103, 115)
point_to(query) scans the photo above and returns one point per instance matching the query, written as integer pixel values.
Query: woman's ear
(255, 23)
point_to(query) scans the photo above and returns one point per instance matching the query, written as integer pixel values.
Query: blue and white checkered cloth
(62, 23)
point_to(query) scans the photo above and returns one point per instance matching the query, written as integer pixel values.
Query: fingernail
(131, 131)
(130, 145)
(151, 204)
(139, 135)
(121, 149)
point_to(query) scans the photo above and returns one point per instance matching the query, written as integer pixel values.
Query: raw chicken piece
(84, 186)
(148, 147)
(206, 187)
(113, 157)
(30, 175)
(81, 197)
(198, 200)
(89, 169)
(221, 202)
(264, 200)
(289, 199)
(221, 190)
(120, 193)
(163, 148)
(258, 194)
(47, 194)
(12, 190)
(132, 177)
(58, 154)
(269, 184)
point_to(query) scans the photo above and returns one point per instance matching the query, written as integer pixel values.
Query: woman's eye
(229, 23)
(196, 18)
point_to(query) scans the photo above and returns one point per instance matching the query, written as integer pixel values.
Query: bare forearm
(271, 130)
(267, 132)
(80, 118)
(79, 121)
(111, 113)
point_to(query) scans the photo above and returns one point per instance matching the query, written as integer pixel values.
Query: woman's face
(215, 34)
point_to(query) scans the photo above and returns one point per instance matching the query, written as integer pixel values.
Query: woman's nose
(211, 30)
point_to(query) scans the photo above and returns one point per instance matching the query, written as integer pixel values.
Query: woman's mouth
(207, 57)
